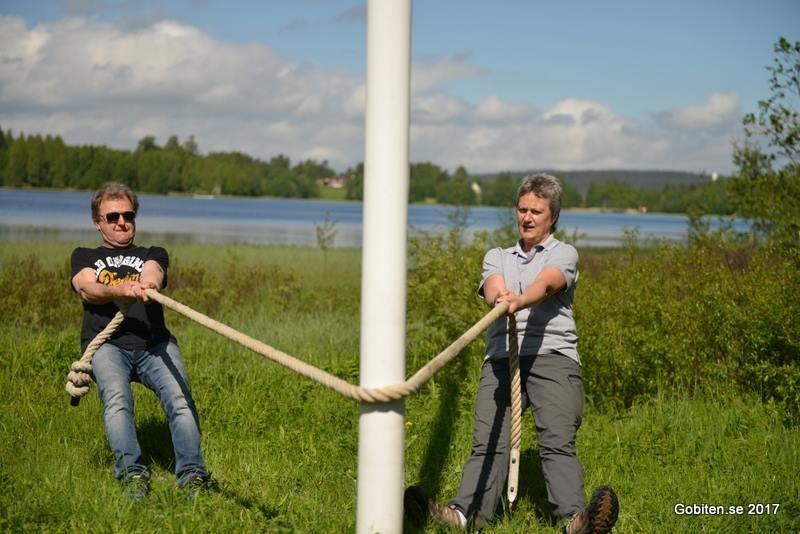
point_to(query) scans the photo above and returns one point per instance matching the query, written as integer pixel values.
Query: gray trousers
(551, 385)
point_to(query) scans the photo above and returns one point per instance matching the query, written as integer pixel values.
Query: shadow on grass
(156, 443)
(225, 491)
(430, 472)
(532, 487)
(429, 475)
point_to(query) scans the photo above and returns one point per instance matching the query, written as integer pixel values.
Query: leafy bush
(235, 287)
(38, 297)
(703, 318)
(712, 317)
(443, 275)
(34, 296)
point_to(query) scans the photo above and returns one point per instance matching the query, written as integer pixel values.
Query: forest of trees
(36, 161)
(178, 167)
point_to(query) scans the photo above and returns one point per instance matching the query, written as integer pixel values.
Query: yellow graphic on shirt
(110, 278)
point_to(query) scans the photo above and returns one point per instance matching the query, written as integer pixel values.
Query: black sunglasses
(113, 216)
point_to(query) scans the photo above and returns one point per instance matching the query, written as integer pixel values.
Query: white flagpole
(383, 279)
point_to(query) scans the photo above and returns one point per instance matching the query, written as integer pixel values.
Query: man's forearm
(97, 293)
(152, 275)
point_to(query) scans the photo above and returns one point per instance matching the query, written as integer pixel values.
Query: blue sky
(496, 85)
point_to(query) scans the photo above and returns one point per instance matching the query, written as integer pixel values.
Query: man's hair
(112, 190)
(546, 187)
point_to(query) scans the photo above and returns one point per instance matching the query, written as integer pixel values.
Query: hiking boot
(418, 508)
(137, 487)
(447, 516)
(195, 485)
(598, 516)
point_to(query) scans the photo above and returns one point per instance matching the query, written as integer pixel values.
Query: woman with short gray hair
(537, 278)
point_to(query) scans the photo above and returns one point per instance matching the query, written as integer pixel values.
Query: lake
(60, 215)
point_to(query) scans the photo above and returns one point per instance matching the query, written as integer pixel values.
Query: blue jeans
(161, 369)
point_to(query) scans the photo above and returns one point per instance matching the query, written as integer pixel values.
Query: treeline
(646, 179)
(178, 167)
(710, 197)
(430, 183)
(36, 161)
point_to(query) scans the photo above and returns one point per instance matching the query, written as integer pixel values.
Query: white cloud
(322, 153)
(437, 109)
(494, 109)
(429, 73)
(93, 82)
(166, 79)
(719, 110)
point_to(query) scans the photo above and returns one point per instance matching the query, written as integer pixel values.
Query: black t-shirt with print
(144, 325)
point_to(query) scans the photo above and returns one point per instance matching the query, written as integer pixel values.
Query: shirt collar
(544, 245)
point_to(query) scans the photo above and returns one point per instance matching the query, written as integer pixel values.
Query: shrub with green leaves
(704, 318)
(714, 316)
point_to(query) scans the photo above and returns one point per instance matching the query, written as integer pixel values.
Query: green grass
(329, 193)
(284, 449)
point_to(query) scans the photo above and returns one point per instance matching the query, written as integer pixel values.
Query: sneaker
(137, 487)
(598, 516)
(418, 508)
(195, 485)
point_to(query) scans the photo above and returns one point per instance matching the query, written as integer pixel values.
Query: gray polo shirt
(548, 327)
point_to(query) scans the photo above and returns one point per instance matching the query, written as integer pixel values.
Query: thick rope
(516, 410)
(344, 388)
(369, 395)
(79, 377)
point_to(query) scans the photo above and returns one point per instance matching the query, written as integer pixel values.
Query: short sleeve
(160, 256)
(78, 261)
(492, 264)
(564, 257)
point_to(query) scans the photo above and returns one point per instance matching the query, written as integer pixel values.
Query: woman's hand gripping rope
(344, 388)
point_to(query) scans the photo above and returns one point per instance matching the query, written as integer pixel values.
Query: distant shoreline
(205, 196)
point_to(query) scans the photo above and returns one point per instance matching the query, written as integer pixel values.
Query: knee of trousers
(490, 449)
(176, 403)
(557, 442)
(116, 395)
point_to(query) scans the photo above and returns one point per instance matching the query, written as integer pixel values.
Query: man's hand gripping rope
(79, 378)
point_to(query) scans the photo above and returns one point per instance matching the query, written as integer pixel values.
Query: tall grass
(284, 450)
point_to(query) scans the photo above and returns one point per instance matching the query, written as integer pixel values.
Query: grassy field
(329, 193)
(284, 450)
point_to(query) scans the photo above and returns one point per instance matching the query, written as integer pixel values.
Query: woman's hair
(112, 190)
(546, 187)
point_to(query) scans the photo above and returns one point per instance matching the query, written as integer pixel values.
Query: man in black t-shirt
(141, 349)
